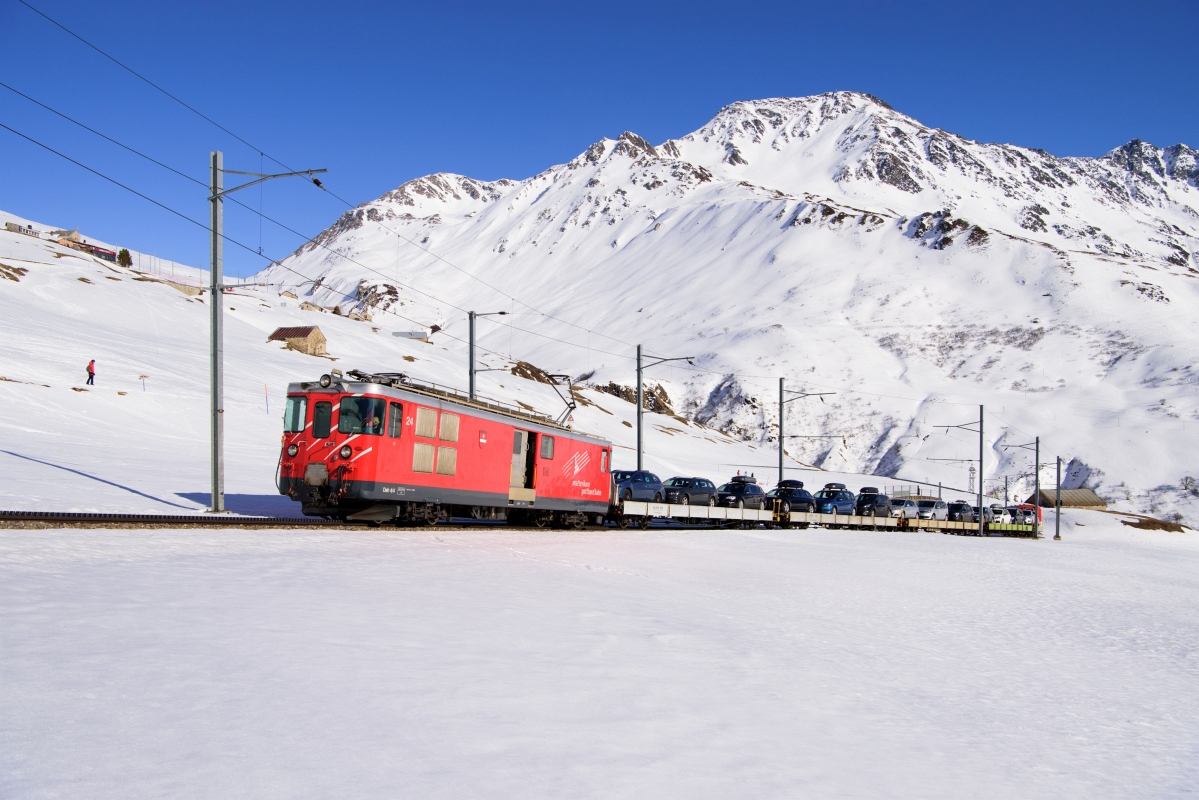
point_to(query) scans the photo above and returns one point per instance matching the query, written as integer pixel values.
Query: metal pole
(639, 466)
(938, 490)
(217, 354)
(1057, 516)
(980, 471)
(1005, 493)
(471, 353)
(780, 430)
(1036, 520)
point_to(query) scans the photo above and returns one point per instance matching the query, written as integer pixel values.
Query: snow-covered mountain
(839, 244)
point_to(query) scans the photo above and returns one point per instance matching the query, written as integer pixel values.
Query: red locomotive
(381, 448)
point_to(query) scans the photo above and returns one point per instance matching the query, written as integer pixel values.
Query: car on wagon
(742, 491)
(789, 498)
(690, 491)
(638, 485)
(932, 509)
(834, 498)
(960, 511)
(871, 503)
(904, 508)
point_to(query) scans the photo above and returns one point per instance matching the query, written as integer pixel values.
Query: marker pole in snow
(1036, 519)
(216, 302)
(782, 437)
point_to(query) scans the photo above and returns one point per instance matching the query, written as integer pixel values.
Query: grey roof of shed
(1071, 498)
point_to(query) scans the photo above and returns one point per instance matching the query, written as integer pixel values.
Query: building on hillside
(416, 336)
(100, 252)
(1071, 498)
(17, 227)
(305, 338)
(288, 294)
(306, 306)
(70, 236)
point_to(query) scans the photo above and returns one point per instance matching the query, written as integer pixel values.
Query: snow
(196, 663)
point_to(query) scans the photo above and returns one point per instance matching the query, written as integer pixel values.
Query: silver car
(1000, 515)
(932, 509)
(902, 507)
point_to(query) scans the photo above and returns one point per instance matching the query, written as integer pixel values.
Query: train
(382, 448)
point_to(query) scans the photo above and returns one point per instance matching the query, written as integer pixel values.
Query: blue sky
(380, 93)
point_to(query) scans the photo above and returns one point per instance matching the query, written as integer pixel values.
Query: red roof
(299, 332)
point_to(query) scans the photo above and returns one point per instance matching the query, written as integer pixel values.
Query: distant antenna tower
(973, 472)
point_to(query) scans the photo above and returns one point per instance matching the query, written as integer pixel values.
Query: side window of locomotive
(322, 416)
(294, 415)
(362, 415)
(547, 447)
(426, 423)
(449, 428)
(395, 422)
(603, 461)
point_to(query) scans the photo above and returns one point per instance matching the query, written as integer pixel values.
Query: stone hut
(305, 338)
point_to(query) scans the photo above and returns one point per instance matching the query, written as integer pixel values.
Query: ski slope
(765, 664)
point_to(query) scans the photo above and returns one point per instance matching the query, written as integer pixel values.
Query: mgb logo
(575, 463)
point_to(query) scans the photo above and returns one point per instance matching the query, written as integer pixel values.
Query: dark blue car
(638, 485)
(834, 498)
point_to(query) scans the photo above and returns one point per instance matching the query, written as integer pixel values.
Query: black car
(872, 504)
(741, 492)
(638, 485)
(790, 498)
(960, 511)
(691, 491)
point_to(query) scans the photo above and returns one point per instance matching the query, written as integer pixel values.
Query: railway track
(12, 519)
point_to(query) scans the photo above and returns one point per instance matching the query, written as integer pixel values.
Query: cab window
(295, 414)
(362, 415)
(603, 461)
(395, 424)
(322, 417)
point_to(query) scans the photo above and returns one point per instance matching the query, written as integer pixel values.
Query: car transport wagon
(382, 448)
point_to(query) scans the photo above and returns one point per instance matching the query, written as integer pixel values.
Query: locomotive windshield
(362, 415)
(293, 416)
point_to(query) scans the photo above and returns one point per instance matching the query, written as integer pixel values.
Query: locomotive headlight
(292, 449)
(346, 452)
(325, 381)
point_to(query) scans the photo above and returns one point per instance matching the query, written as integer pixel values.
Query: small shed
(305, 338)
(288, 294)
(306, 306)
(1071, 498)
(416, 336)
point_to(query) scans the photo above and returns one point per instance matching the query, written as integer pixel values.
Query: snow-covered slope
(137, 441)
(843, 246)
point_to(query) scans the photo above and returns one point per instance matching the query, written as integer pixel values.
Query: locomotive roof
(399, 384)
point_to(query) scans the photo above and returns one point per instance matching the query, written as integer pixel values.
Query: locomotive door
(523, 466)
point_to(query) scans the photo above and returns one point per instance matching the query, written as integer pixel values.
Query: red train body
(385, 449)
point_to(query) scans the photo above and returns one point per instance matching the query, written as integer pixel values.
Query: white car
(901, 507)
(932, 509)
(1000, 515)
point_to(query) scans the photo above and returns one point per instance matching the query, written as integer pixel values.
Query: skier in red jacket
(91, 372)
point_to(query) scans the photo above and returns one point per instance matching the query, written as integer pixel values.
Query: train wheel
(644, 523)
(543, 520)
(622, 522)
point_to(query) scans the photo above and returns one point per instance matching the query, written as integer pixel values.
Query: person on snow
(91, 372)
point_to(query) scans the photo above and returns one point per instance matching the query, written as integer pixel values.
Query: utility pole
(216, 289)
(981, 526)
(1036, 518)
(782, 410)
(640, 396)
(1057, 503)
(217, 344)
(471, 346)
(639, 402)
